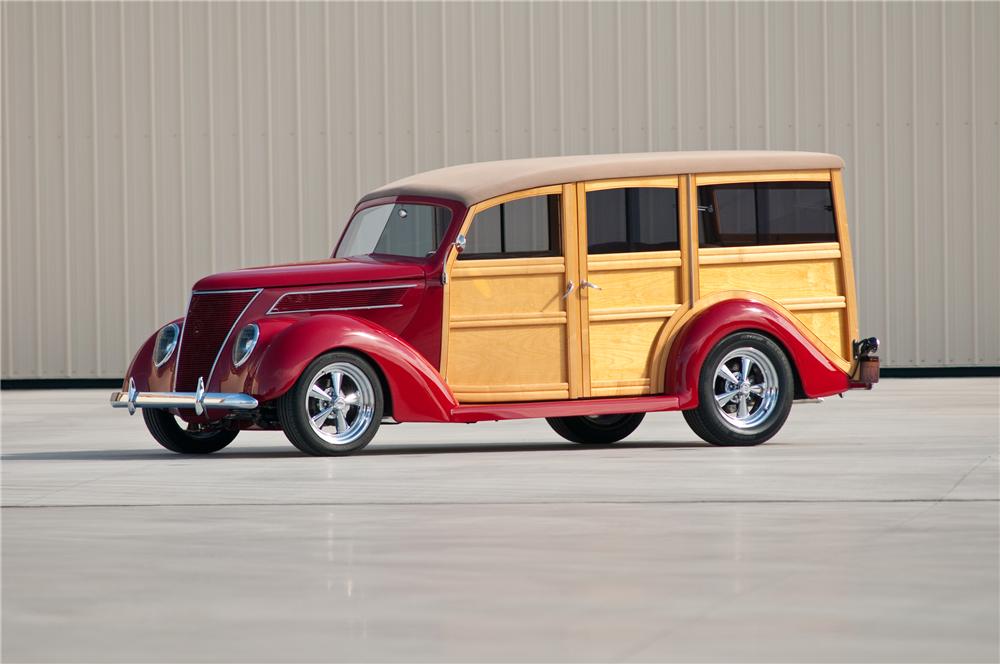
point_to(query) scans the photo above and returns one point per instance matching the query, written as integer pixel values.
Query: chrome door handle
(569, 289)
(587, 284)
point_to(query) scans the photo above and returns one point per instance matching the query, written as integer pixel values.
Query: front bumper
(200, 401)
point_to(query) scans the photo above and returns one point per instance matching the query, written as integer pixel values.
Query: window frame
(555, 230)
(624, 185)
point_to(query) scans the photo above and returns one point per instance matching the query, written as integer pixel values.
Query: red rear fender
(416, 390)
(818, 375)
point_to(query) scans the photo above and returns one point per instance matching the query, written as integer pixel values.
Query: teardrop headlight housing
(245, 343)
(166, 342)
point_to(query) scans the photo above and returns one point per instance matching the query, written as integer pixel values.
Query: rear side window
(520, 228)
(740, 215)
(632, 219)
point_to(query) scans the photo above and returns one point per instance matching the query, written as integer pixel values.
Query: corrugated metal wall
(145, 145)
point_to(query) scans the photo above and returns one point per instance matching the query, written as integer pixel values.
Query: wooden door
(510, 333)
(630, 267)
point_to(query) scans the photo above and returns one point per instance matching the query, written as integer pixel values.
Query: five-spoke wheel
(744, 393)
(335, 407)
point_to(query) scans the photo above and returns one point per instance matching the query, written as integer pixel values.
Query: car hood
(312, 273)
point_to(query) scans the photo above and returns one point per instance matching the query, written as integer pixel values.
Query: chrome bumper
(200, 401)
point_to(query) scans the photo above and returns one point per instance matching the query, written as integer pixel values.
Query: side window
(523, 227)
(632, 219)
(739, 215)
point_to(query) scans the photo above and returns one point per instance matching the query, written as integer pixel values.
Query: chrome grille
(210, 319)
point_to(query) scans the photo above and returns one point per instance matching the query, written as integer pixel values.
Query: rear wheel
(184, 439)
(596, 429)
(745, 391)
(335, 407)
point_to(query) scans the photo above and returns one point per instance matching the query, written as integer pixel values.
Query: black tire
(764, 415)
(597, 429)
(296, 409)
(168, 432)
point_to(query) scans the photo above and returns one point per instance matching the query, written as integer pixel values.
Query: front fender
(147, 377)
(818, 376)
(417, 392)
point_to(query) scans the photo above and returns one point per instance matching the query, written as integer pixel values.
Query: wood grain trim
(847, 261)
(813, 303)
(624, 391)
(517, 395)
(664, 182)
(509, 320)
(688, 203)
(703, 179)
(768, 254)
(570, 238)
(632, 382)
(633, 261)
(462, 272)
(634, 313)
(581, 295)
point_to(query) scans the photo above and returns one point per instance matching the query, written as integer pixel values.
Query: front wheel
(335, 407)
(595, 429)
(169, 433)
(744, 393)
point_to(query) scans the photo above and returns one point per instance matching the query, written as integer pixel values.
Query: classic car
(587, 290)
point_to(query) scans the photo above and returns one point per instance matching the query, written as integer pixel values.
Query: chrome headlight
(166, 342)
(245, 343)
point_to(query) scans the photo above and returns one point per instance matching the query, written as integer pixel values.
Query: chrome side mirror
(459, 243)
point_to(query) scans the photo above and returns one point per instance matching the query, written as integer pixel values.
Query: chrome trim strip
(271, 311)
(257, 292)
(207, 400)
(303, 311)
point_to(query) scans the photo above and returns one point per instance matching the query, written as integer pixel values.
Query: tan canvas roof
(472, 183)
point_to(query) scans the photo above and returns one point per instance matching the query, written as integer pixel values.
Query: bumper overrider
(199, 400)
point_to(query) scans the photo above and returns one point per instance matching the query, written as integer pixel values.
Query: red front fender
(416, 389)
(818, 376)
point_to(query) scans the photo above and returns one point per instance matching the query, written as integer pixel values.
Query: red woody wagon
(588, 290)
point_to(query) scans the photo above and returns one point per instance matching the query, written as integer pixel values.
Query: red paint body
(405, 342)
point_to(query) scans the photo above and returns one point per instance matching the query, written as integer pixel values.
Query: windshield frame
(457, 216)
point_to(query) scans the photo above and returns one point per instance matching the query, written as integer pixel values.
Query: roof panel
(472, 183)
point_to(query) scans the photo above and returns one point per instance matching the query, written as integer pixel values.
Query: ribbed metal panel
(145, 145)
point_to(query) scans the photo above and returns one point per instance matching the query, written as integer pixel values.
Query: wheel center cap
(744, 388)
(339, 404)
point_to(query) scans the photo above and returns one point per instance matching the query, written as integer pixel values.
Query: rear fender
(417, 392)
(819, 375)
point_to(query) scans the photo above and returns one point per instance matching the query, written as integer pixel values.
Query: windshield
(402, 229)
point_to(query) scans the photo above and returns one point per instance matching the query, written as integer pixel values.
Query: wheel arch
(700, 328)
(414, 390)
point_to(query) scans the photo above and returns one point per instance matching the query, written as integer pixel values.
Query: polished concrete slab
(869, 530)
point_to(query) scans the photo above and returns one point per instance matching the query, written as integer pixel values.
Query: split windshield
(413, 230)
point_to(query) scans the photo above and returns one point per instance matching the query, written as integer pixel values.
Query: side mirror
(459, 243)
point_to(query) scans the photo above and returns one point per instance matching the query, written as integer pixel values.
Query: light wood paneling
(620, 351)
(504, 363)
(828, 325)
(777, 176)
(776, 280)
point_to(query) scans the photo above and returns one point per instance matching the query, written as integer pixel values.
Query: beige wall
(146, 145)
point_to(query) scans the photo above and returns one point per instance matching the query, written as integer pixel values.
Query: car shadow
(385, 449)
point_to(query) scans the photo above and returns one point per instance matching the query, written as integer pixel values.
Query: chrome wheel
(340, 403)
(746, 387)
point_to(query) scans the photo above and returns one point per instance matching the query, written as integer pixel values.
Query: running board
(529, 409)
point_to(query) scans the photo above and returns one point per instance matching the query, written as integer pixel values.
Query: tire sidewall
(716, 423)
(294, 418)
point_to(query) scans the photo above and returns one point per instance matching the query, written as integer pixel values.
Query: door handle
(569, 289)
(587, 284)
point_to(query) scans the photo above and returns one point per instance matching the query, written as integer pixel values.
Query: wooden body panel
(513, 337)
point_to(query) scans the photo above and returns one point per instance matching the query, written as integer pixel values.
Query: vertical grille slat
(209, 319)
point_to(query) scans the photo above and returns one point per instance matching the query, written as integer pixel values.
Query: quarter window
(632, 219)
(523, 227)
(739, 215)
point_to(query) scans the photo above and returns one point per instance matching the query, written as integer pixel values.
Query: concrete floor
(867, 531)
